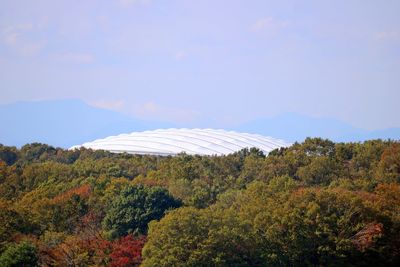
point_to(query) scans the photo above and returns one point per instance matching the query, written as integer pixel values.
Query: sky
(207, 63)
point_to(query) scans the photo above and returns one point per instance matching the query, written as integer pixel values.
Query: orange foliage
(389, 191)
(83, 191)
(390, 152)
(366, 237)
(389, 165)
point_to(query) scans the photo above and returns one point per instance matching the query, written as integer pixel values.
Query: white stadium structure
(191, 141)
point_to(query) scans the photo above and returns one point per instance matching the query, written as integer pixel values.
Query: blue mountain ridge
(65, 123)
(294, 127)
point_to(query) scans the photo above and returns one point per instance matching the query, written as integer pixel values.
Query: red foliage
(127, 251)
(90, 235)
(98, 251)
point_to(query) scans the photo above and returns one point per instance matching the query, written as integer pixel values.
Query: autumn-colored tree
(127, 251)
(389, 165)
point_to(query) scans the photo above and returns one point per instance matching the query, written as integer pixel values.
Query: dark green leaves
(134, 208)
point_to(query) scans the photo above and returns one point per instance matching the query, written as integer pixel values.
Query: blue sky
(207, 63)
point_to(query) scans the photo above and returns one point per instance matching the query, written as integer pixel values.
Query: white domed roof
(190, 141)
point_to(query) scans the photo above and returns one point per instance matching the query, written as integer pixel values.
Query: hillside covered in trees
(316, 203)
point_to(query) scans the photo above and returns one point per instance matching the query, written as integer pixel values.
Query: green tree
(321, 171)
(318, 147)
(307, 227)
(11, 223)
(8, 154)
(200, 237)
(134, 208)
(36, 152)
(19, 255)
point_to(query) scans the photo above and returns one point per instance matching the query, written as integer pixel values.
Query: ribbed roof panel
(190, 141)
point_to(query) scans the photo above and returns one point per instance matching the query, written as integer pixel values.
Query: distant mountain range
(294, 127)
(66, 123)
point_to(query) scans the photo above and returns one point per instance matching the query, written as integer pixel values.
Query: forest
(315, 203)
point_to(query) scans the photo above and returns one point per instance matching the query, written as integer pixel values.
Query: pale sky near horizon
(208, 61)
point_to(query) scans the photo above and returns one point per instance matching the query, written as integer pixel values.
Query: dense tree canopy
(134, 208)
(316, 203)
(22, 254)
